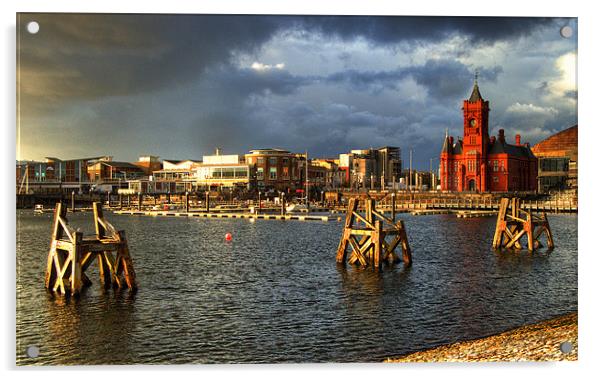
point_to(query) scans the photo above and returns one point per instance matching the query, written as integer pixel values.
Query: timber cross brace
(513, 223)
(375, 241)
(71, 254)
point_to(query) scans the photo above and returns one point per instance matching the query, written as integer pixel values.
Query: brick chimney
(517, 139)
(500, 136)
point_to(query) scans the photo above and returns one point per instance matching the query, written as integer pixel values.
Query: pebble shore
(536, 342)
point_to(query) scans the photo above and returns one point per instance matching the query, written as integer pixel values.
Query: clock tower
(476, 139)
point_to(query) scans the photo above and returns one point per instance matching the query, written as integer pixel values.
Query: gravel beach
(536, 342)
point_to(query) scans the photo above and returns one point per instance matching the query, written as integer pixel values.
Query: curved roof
(561, 144)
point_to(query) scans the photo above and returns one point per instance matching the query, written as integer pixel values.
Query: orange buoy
(228, 237)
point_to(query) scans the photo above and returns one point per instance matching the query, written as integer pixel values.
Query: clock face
(473, 122)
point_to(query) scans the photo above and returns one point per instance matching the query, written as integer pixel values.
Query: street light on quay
(259, 206)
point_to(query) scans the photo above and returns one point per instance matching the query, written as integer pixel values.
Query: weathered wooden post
(72, 201)
(70, 254)
(282, 207)
(139, 201)
(207, 201)
(168, 197)
(187, 203)
(393, 206)
(368, 242)
(259, 206)
(513, 223)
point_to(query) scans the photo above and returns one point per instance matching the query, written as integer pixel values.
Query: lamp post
(207, 201)
(73, 201)
(282, 208)
(187, 203)
(259, 207)
(393, 206)
(322, 198)
(139, 201)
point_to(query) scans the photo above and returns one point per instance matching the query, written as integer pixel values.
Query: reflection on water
(276, 294)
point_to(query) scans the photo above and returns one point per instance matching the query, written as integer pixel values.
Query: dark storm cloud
(172, 84)
(244, 82)
(89, 56)
(95, 55)
(444, 79)
(390, 29)
(260, 113)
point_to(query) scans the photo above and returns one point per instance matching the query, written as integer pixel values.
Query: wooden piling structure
(71, 254)
(514, 223)
(375, 241)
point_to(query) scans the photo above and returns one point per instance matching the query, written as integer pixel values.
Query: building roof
(268, 151)
(476, 94)
(445, 147)
(563, 143)
(178, 161)
(75, 159)
(499, 147)
(457, 148)
(118, 164)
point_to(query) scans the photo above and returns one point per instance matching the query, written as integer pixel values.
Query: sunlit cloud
(257, 66)
(567, 83)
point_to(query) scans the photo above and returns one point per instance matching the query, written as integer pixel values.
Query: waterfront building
(318, 175)
(175, 165)
(345, 165)
(371, 168)
(107, 175)
(54, 175)
(225, 171)
(276, 169)
(557, 156)
(481, 163)
(388, 165)
(364, 172)
(334, 176)
(149, 163)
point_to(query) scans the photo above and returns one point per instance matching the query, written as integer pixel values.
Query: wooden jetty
(513, 223)
(472, 214)
(71, 254)
(423, 212)
(376, 240)
(260, 216)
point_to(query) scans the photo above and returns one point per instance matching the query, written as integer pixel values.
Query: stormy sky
(178, 86)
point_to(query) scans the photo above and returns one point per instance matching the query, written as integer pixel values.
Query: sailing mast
(306, 181)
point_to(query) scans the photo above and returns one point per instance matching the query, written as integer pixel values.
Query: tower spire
(476, 94)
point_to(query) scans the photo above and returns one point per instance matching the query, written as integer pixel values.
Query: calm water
(275, 293)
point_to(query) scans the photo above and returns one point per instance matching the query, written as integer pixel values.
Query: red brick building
(481, 163)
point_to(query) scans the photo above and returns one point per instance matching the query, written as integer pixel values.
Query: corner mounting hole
(566, 31)
(566, 347)
(33, 351)
(33, 27)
